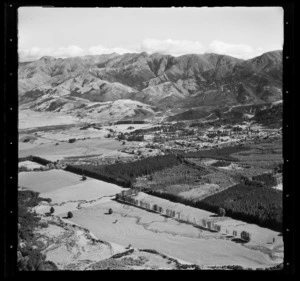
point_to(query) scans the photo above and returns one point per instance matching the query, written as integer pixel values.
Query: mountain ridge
(155, 79)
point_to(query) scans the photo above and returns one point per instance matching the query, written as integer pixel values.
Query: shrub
(70, 215)
(220, 164)
(52, 210)
(221, 212)
(72, 140)
(110, 211)
(23, 169)
(246, 236)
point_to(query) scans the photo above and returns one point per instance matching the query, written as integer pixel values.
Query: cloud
(167, 46)
(234, 50)
(172, 47)
(70, 51)
(96, 50)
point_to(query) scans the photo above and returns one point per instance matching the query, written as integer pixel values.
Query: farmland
(193, 168)
(89, 201)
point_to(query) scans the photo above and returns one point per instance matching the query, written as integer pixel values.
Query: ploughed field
(90, 200)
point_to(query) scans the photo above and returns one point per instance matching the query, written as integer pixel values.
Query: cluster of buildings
(193, 139)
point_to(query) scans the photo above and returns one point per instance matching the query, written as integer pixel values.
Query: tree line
(216, 153)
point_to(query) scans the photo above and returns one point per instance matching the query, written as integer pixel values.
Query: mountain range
(147, 83)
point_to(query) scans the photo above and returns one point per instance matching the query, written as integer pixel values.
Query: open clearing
(30, 165)
(90, 201)
(49, 150)
(31, 119)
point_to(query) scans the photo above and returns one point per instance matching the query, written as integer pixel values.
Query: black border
(10, 120)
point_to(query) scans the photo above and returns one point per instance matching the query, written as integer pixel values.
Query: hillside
(158, 80)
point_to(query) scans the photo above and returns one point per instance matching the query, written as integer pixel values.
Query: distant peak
(47, 58)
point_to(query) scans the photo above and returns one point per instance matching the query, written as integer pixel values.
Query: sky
(242, 32)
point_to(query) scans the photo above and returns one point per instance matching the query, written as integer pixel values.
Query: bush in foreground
(221, 212)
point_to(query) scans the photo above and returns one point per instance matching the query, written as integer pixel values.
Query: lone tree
(70, 215)
(246, 236)
(110, 211)
(52, 210)
(221, 212)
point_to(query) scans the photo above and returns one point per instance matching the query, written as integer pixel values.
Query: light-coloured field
(147, 230)
(142, 229)
(260, 236)
(47, 181)
(49, 150)
(278, 187)
(200, 192)
(67, 191)
(232, 166)
(30, 165)
(32, 119)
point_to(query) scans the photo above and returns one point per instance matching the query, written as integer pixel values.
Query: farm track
(80, 202)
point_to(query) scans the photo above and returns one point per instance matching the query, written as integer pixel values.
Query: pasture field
(263, 155)
(30, 165)
(143, 229)
(47, 181)
(49, 150)
(32, 119)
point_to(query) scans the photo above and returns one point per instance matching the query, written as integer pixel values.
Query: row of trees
(130, 122)
(36, 159)
(149, 130)
(69, 214)
(217, 153)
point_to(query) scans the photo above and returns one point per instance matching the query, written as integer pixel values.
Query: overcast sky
(65, 32)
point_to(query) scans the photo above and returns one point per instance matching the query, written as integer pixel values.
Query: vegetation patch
(29, 256)
(217, 153)
(250, 203)
(124, 174)
(220, 164)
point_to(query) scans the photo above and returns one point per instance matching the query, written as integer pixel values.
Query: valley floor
(90, 239)
(90, 201)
